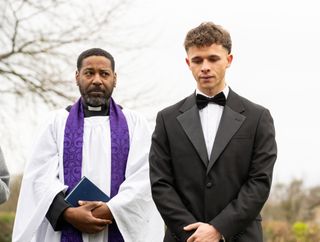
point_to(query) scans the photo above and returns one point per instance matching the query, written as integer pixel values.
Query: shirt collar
(225, 91)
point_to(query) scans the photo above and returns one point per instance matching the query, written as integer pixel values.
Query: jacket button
(209, 184)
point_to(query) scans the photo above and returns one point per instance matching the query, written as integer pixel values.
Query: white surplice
(132, 208)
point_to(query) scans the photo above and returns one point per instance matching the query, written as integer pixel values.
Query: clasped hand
(90, 217)
(203, 233)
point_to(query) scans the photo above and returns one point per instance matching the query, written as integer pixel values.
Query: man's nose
(97, 80)
(205, 66)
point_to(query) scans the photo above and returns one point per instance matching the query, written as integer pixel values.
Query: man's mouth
(206, 78)
(96, 92)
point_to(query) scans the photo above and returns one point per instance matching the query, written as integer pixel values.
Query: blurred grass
(6, 226)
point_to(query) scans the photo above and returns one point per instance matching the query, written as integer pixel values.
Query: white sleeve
(133, 208)
(40, 184)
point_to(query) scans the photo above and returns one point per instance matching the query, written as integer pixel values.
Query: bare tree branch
(39, 44)
(39, 35)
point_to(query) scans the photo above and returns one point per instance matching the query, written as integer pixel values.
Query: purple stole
(72, 159)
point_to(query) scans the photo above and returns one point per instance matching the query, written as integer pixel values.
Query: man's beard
(95, 101)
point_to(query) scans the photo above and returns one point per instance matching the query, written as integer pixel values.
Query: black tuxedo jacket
(229, 189)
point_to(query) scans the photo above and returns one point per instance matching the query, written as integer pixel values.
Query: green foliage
(277, 231)
(6, 225)
(300, 231)
(282, 231)
(292, 213)
(6, 217)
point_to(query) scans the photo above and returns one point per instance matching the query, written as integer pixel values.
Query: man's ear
(77, 77)
(187, 61)
(229, 58)
(115, 80)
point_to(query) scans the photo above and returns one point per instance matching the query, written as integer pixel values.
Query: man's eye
(214, 59)
(104, 74)
(88, 73)
(197, 61)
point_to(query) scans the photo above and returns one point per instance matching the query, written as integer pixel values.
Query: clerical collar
(94, 108)
(93, 111)
(90, 111)
(225, 91)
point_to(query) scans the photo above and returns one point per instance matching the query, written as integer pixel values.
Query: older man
(98, 139)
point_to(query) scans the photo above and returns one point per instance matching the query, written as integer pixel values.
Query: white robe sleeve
(133, 208)
(40, 185)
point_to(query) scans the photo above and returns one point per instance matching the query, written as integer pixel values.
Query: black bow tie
(202, 101)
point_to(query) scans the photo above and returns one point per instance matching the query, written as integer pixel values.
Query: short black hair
(96, 52)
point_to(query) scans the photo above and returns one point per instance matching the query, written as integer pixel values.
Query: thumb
(191, 226)
(81, 203)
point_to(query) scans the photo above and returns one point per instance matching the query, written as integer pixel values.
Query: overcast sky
(275, 48)
(276, 64)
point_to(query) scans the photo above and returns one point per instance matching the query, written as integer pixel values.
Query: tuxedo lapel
(191, 124)
(231, 121)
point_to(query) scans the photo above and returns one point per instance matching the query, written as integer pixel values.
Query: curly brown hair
(206, 34)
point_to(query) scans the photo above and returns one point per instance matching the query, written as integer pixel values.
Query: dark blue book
(86, 190)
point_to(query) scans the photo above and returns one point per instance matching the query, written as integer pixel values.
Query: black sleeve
(164, 193)
(255, 191)
(55, 211)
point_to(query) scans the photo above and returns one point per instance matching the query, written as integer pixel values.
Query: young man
(98, 139)
(4, 179)
(212, 153)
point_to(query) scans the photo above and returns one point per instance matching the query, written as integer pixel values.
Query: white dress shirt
(210, 119)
